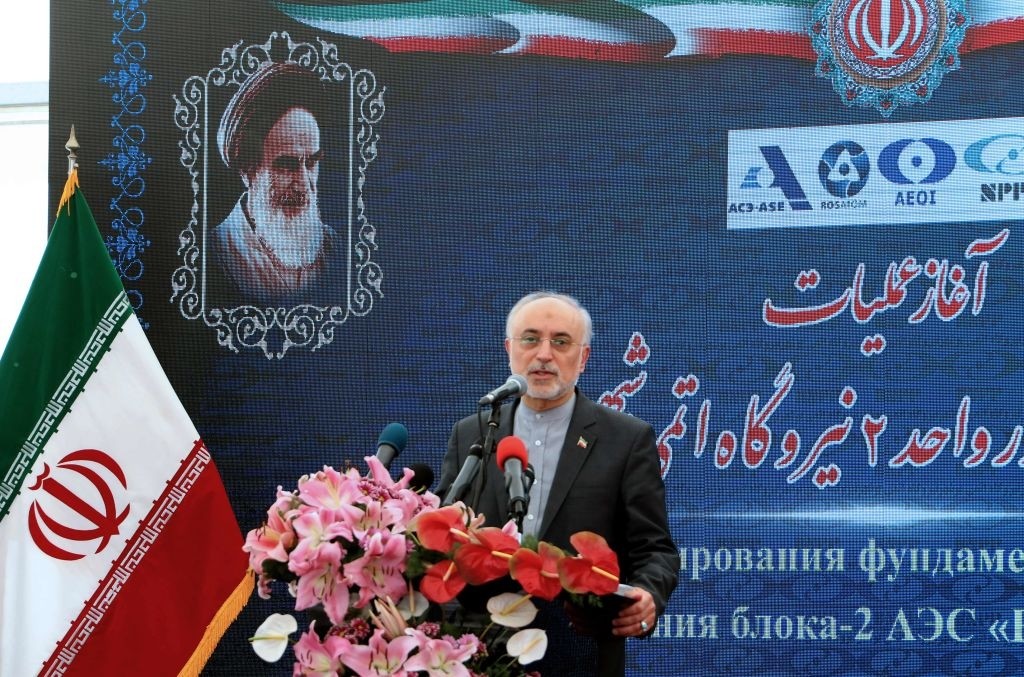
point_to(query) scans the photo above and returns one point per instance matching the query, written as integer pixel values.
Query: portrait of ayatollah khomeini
(274, 245)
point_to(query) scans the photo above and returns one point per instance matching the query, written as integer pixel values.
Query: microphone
(512, 458)
(515, 386)
(422, 477)
(391, 442)
(465, 476)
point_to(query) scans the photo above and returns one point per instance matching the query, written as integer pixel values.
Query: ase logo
(883, 53)
(782, 178)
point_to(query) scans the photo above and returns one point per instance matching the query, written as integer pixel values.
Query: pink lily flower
(314, 658)
(379, 657)
(442, 657)
(323, 586)
(333, 493)
(316, 546)
(378, 573)
(274, 539)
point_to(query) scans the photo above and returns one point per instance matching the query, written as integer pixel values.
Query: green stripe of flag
(74, 288)
(381, 11)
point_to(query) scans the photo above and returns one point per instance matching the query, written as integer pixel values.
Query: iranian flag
(610, 30)
(119, 552)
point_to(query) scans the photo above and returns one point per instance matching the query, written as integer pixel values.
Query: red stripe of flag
(175, 589)
(721, 41)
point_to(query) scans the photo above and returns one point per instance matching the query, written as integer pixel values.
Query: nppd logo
(884, 53)
(80, 507)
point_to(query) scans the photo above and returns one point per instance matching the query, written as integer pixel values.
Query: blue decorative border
(128, 160)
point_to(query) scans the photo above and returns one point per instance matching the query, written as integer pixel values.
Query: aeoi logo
(910, 161)
(843, 169)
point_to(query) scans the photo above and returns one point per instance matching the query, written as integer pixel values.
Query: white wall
(24, 193)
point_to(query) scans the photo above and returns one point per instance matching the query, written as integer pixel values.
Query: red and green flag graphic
(119, 552)
(609, 30)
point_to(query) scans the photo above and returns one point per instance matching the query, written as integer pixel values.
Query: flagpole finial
(72, 146)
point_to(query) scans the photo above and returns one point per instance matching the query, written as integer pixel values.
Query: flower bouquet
(378, 567)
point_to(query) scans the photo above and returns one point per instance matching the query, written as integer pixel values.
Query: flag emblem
(80, 494)
(887, 53)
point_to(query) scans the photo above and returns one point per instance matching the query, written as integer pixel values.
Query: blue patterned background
(497, 176)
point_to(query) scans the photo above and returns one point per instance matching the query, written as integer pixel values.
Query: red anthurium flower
(593, 547)
(595, 570)
(441, 529)
(537, 571)
(442, 582)
(486, 559)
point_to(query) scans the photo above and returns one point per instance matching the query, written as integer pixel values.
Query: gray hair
(588, 324)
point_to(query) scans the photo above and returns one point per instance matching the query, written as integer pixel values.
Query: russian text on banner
(119, 551)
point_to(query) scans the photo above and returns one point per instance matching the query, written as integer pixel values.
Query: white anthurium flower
(271, 638)
(413, 606)
(527, 645)
(511, 610)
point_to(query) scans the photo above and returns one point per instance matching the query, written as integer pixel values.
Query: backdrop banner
(794, 223)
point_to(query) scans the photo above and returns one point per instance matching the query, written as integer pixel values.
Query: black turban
(260, 101)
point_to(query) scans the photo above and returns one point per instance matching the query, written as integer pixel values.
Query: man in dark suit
(596, 470)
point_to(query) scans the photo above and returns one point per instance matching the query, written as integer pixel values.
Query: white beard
(294, 240)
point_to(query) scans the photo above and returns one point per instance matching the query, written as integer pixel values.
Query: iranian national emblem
(81, 504)
(887, 53)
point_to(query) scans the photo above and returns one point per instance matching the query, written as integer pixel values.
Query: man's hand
(638, 618)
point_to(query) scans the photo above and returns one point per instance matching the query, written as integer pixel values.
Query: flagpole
(72, 146)
(72, 183)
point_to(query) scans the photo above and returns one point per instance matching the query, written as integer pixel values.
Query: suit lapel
(579, 443)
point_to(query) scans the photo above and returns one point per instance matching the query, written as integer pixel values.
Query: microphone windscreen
(511, 447)
(422, 477)
(395, 435)
(520, 381)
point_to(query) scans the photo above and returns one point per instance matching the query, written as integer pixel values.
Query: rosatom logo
(884, 53)
(843, 169)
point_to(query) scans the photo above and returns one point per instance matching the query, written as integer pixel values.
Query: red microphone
(512, 457)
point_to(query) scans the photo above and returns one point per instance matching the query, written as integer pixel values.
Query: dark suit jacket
(608, 481)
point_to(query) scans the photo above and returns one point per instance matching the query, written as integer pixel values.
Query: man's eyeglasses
(558, 343)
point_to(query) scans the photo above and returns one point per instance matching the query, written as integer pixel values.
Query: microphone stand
(493, 421)
(518, 515)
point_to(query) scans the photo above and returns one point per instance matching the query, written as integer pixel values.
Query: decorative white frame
(305, 325)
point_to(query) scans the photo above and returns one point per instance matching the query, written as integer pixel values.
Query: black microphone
(465, 476)
(422, 477)
(528, 477)
(512, 458)
(515, 386)
(391, 442)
